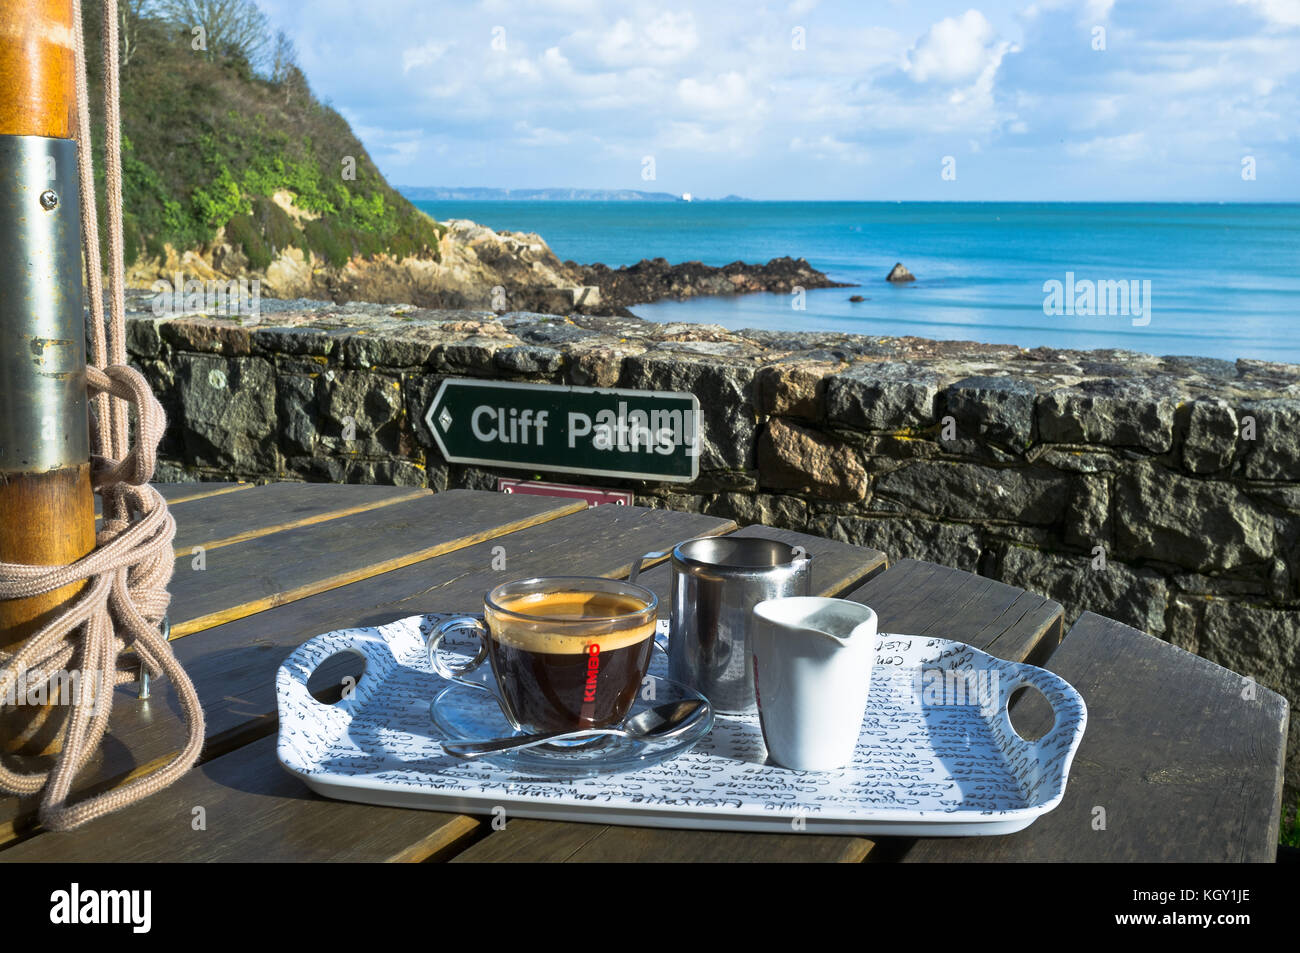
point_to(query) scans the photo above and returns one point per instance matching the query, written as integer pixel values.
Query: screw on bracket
(49, 200)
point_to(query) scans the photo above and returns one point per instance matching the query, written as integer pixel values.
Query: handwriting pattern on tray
(917, 756)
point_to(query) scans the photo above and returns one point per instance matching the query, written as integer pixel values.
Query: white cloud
(417, 56)
(726, 92)
(657, 40)
(1129, 147)
(954, 50)
(828, 147)
(1096, 11)
(530, 135)
(1283, 13)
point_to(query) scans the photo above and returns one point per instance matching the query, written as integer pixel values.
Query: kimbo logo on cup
(593, 669)
(589, 688)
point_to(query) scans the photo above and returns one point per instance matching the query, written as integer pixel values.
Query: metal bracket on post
(42, 318)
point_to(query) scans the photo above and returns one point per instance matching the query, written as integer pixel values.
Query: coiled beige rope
(127, 573)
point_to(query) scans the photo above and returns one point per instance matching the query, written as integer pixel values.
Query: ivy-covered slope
(208, 143)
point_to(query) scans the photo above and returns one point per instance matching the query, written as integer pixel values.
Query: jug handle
(636, 566)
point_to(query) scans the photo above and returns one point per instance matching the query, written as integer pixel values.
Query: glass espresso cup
(568, 652)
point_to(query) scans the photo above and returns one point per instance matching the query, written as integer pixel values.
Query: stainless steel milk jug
(717, 581)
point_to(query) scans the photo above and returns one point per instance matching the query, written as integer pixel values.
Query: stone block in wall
(465, 477)
(1274, 453)
(1183, 619)
(331, 469)
(1077, 461)
(681, 502)
(769, 509)
(365, 351)
(969, 491)
(597, 366)
(1210, 437)
(226, 412)
(549, 331)
(726, 481)
(791, 457)
(1134, 596)
(1196, 585)
(1283, 497)
(726, 394)
(529, 359)
(143, 338)
(1087, 520)
(1196, 523)
(207, 335)
(1122, 413)
(296, 408)
(793, 389)
(295, 342)
(876, 395)
(1000, 409)
(360, 413)
(949, 544)
(886, 451)
(470, 356)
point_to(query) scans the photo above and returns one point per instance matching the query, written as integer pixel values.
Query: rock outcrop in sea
(900, 273)
(654, 278)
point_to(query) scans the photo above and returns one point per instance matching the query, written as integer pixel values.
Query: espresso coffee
(553, 681)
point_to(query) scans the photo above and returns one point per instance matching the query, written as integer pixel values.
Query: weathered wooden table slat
(920, 598)
(244, 807)
(263, 510)
(270, 571)
(528, 841)
(1184, 766)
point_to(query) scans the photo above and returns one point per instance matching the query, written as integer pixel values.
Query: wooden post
(46, 505)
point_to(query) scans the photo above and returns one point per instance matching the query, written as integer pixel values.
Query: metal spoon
(662, 721)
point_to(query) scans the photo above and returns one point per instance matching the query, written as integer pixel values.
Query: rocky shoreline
(477, 268)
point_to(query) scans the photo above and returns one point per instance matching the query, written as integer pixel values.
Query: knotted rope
(126, 575)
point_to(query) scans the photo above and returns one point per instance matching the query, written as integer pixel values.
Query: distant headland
(429, 193)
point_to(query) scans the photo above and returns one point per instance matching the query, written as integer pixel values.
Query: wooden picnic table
(1181, 760)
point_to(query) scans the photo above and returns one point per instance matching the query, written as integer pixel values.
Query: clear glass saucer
(461, 713)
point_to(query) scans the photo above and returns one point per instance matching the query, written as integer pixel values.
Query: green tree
(231, 28)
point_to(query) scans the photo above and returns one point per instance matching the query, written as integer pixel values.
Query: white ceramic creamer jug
(812, 672)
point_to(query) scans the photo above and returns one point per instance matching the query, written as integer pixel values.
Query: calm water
(1224, 279)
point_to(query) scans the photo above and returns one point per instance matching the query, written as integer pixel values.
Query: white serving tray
(929, 762)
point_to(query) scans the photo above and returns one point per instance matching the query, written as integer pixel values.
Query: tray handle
(296, 670)
(1062, 739)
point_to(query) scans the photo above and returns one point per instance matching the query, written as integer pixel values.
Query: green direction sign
(638, 434)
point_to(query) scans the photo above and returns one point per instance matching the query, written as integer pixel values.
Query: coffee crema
(570, 681)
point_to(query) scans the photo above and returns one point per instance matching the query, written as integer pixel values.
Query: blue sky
(1087, 100)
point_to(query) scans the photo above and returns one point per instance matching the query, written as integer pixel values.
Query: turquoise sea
(1224, 278)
